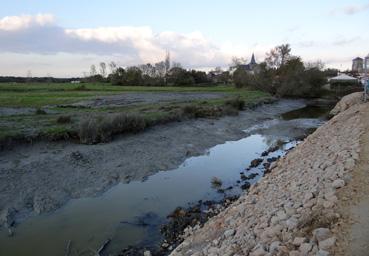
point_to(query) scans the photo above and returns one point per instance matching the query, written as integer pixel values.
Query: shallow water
(88, 222)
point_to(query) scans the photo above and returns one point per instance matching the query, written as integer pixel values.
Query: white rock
(294, 253)
(327, 243)
(274, 246)
(305, 248)
(258, 252)
(292, 223)
(322, 253)
(299, 240)
(147, 253)
(338, 183)
(321, 234)
(230, 232)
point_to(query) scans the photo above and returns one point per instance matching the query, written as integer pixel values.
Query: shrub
(40, 111)
(88, 131)
(201, 111)
(236, 103)
(123, 123)
(101, 129)
(81, 88)
(63, 119)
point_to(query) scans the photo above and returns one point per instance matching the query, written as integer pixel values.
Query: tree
(167, 62)
(134, 76)
(242, 78)
(278, 56)
(118, 77)
(102, 69)
(29, 76)
(160, 69)
(237, 61)
(315, 64)
(179, 76)
(93, 70)
(176, 65)
(112, 66)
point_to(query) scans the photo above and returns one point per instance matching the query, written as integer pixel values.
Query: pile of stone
(291, 211)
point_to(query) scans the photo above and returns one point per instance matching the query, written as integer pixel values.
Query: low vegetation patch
(236, 103)
(64, 120)
(101, 129)
(40, 111)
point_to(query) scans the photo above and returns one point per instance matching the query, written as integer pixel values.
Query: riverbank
(41, 178)
(293, 210)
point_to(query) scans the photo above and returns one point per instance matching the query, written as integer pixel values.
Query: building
(357, 65)
(251, 66)
(366, 63)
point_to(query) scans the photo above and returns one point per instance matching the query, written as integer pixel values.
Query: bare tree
(278, 56)
(112, 66)
(315, 64)
(160, 69)
(29, 76)
(176, 65)
(236, 61)
(93, 70)
(102, 69)
(167, 62)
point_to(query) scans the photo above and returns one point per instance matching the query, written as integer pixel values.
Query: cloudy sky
(63, 38)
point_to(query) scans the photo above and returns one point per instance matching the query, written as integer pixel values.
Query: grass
(66, 123)
(38, 94)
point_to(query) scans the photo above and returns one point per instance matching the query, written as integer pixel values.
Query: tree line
(284, 74)
(157, 74)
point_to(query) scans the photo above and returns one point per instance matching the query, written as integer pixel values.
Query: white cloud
(12, 23)
(40, 35)
(351, 9)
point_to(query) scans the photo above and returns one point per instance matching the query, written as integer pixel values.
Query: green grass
(51, 95)
(38, 95)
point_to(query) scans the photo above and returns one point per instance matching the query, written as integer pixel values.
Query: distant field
(38, 95)
(20, 117)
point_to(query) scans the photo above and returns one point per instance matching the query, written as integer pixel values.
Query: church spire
(253, 62)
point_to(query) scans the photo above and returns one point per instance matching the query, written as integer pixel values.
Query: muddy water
(132, 213)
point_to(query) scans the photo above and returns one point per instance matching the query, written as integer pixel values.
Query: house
(357, 65)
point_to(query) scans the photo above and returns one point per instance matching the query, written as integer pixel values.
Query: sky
(63, 38)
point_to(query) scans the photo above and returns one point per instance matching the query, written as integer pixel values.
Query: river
(132, 213)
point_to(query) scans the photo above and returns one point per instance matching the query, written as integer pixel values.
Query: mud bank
(131, 98)
(42, 177)
(293, 210)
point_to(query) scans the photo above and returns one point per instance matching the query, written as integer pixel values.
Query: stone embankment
(293, 209)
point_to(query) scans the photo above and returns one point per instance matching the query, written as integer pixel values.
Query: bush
(40, 111)
(101, 129)
(81, 88)
(63, 119)
(236, 103)
(123, 123)
(88, 131)
(195, 111)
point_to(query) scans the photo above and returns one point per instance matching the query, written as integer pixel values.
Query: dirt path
(43, 177)
(353, 230)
